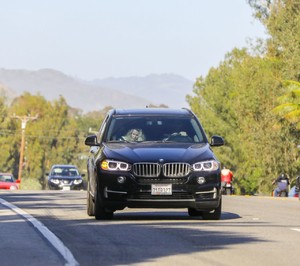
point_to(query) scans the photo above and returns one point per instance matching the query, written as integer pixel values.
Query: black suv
(65, 177)
(153, 158)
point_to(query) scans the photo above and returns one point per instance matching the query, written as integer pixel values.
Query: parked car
(8, 181)
(153, 158)
(65, 177)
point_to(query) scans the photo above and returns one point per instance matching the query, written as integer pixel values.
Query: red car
(7, 181)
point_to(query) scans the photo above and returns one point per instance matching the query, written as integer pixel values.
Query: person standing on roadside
(226, 175)
(226, 181)
(282, 182)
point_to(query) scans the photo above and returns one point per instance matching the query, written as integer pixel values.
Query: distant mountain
(166, 89)
(133, 92)
(7, 93)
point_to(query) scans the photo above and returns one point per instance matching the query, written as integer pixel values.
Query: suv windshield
(154, 128)
(65, 171)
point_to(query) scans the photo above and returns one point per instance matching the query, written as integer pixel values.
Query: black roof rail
(187, 109)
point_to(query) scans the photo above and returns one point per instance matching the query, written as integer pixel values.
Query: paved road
(25, 241)
(252, 231)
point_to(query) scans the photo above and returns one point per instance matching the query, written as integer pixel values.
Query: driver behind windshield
(134, 135)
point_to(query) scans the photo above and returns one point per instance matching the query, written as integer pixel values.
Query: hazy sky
(120, 38)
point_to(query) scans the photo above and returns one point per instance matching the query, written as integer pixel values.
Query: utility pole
(24, 119)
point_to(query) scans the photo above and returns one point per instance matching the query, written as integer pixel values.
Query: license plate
(161, 189)
(66, 188)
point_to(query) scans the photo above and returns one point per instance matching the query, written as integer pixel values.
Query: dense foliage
(55, 137)
(246, 99)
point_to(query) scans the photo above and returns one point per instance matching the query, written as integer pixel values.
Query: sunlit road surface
(252, 231)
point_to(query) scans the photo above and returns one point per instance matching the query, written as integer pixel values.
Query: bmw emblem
(161, 160)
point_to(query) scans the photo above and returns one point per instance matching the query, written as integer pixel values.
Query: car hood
(155, 152)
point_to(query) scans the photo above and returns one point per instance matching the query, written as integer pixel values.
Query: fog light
(121, 179)
(201, 180)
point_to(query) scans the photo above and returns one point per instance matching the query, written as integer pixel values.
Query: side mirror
(91, 141)
(18, 181)
(216, 141)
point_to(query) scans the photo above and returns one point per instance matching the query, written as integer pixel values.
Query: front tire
(215, 215)
(101, 213)
(90, 202)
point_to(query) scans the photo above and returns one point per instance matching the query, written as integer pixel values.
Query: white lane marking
(296, 229)
(52, 238)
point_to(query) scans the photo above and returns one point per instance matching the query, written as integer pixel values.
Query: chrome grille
(146, 169)
(176, 169)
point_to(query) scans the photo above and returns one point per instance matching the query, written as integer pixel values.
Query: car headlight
(206, 166)
(54, 181)
(77, 181)
(110, 165)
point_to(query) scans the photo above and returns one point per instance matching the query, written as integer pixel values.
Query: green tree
(53, 138)
(8, 141)
(289, 107)
(282, 21)
(235, 101)
(91, 121)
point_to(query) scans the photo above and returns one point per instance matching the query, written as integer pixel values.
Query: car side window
(102, 128)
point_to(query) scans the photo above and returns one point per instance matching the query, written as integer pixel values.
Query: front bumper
(65, 185)
(137, 192)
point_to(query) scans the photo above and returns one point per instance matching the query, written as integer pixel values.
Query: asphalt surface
(22, 236)
(252, 231)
